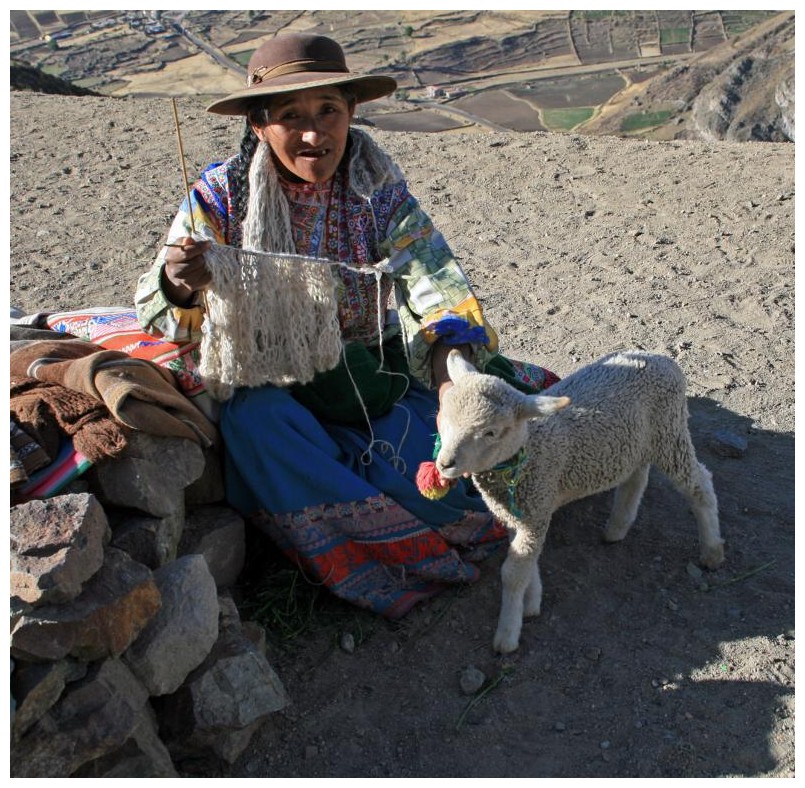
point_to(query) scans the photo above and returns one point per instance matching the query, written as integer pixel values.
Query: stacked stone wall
(129, 658)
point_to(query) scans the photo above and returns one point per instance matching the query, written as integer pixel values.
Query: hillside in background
(26, 77)
(653, 74)
(739, 90)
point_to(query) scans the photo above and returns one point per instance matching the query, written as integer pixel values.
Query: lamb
(606, 424)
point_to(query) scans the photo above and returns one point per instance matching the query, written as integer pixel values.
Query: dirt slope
(638, 666)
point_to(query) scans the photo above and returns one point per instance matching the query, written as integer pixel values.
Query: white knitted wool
(370, 167)
(271, 318)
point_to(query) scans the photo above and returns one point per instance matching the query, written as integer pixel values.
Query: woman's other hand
(185, 270)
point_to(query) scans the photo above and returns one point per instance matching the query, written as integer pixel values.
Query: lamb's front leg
(521, 588)
(533, 594)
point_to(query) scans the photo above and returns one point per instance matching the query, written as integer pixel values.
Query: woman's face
(308, 132)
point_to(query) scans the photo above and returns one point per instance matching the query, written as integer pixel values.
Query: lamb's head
(483, 421)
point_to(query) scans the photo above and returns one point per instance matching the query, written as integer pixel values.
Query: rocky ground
(640, 666)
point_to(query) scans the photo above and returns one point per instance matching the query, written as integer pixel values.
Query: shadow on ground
(639, 666)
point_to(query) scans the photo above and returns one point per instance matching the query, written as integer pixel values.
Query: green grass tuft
(277, 595)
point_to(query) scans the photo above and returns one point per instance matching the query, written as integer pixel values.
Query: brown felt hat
(296, 61)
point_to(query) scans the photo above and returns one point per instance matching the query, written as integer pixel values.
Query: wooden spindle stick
(181, 161)
(186, 189)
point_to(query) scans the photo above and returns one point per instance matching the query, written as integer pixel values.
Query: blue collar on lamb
(510, 472)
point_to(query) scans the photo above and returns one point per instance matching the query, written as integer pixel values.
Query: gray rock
(471, 680)
(142, 755)
(225, 700)
(229, 616)
(752, 99)
(219, 534)
(94, 717)
(18, 608)
(56, 546)
(153, 541)
(255, 633)
(150, 475)
(694, 571)
(179, 637)
(103, 621)
(36, 687)
(728, 444)
(209, 487)
(784, 97)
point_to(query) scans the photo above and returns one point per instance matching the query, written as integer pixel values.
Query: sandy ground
(577, 246)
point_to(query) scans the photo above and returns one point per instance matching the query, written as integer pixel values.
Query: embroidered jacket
(434, 299)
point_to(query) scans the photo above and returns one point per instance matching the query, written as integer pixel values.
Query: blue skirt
(342, 503)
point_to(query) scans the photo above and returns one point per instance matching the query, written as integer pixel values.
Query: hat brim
(366, 88)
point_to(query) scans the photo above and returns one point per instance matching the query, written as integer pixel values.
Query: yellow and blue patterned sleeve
(156, 314)
(435, 298)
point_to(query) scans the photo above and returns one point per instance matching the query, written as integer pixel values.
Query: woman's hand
(185, 270)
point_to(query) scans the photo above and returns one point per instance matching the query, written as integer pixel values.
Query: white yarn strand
(396, 458)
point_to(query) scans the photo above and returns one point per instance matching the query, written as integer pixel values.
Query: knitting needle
(186, 190)
(181, 160)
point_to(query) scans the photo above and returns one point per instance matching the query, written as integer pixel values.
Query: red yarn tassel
(431, 483)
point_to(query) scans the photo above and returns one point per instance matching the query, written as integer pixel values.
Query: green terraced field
(566, 119)
(645, 120)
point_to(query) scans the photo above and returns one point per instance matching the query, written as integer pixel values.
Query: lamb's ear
(458, 366)
(534, 405)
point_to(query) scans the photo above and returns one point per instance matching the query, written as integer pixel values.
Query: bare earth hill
(640, 665)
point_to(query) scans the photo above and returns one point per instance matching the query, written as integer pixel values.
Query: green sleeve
(432, 291)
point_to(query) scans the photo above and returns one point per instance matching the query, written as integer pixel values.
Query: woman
(327, 472)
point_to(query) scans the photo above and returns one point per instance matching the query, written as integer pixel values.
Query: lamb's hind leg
(624, 508)
(696, 484)
(521, 589)
(705, 507)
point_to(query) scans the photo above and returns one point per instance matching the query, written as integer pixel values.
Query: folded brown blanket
(46, 411)
(139, 393)
(23, 356)
(26, 333)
